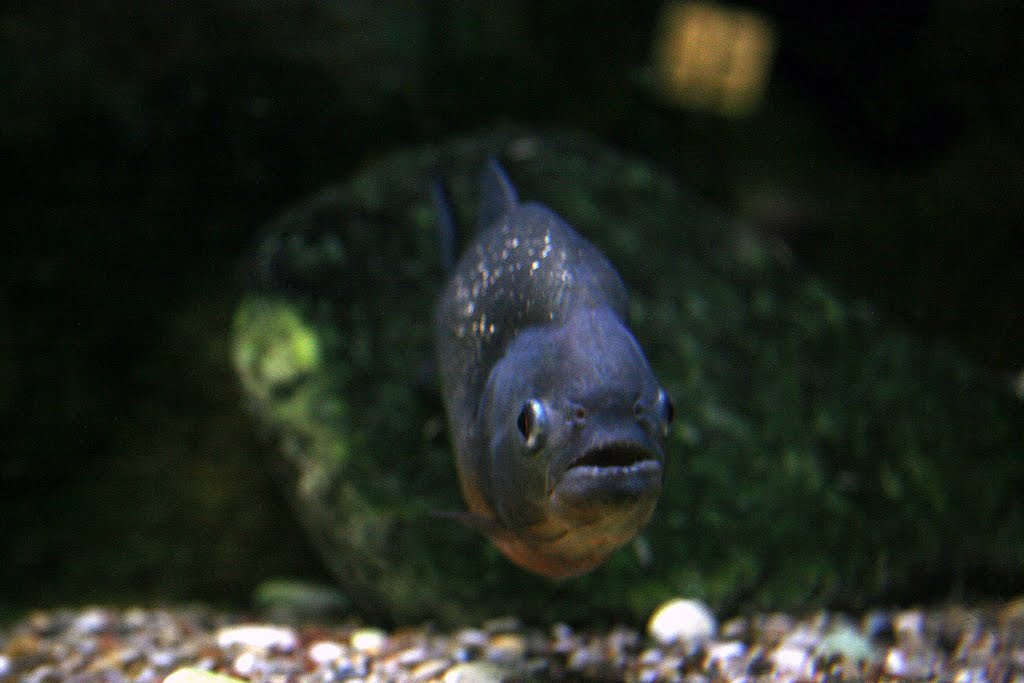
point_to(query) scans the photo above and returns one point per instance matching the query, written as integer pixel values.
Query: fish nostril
(638, 409)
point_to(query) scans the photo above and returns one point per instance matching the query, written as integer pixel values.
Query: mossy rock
(819, 457)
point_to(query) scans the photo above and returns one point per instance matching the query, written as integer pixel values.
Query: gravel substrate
(682, 643)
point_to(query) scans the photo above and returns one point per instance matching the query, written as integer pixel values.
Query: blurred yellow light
(712, 57)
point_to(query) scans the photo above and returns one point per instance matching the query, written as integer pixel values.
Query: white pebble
(722, 652)
(258, 637)
(909, 624)
(163, 659)
(689, 622)
(975, 675)
(895, 663)
(792, 661)
(369, 640)
(198, 675)
(413, 656)
(471, 637)
(5, 666)
(244, 664)
(478, 672)
(92, 621)
(325, 652)
(147, 675)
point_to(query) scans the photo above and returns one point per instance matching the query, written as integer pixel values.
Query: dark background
(145, 145)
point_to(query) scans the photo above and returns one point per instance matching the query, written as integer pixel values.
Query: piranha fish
(557, 419)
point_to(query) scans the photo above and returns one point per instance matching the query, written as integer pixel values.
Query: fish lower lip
(588, 489)
(588, 484)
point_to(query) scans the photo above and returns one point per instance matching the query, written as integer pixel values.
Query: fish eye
(530, 423)
(665, 408)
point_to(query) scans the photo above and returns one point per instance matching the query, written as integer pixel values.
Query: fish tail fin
(498, 195)
(448, 227)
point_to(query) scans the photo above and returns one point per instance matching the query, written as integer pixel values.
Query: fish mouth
(611, 474)
(614, 459)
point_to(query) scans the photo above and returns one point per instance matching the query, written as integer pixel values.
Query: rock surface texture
(819, 456)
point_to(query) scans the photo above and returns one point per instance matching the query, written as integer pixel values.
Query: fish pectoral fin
(488, 526)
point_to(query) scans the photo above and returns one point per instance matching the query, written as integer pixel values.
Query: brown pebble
(506, 648)
(430, 669)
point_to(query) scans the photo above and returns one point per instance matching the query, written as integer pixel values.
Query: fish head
(576, 424)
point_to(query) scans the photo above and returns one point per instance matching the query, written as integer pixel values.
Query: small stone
(896, 663)
(878, 625)
(563, 640)
(671, 667)
(722, 652)
(371, 641)
(792, 661)
(147, 675)
(245, 663)
(135, 618)
(471, 637)
(412, 656)
(1012, 614)
(506, 648)
(584, 658)
(259, 637)
(42, 674)
(970, 676)
(429, 670)
(650, 657)
(775, 627)
(325, 652)
(163, 659)
(909, 625)
(479, 672)
(348, 669)
(725, 660)
(689, 622)
(759, 664)
(193, 675)
(92, 621)
(622, 639)
(648, 676)
(803, 637)
(848, 643)
(737, 628)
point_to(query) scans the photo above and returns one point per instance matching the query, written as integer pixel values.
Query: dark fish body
(557, 420)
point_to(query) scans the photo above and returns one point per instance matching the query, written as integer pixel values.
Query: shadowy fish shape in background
(557, 420)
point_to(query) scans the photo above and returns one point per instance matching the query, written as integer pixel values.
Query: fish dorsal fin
(497, 194)
(447, 227)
